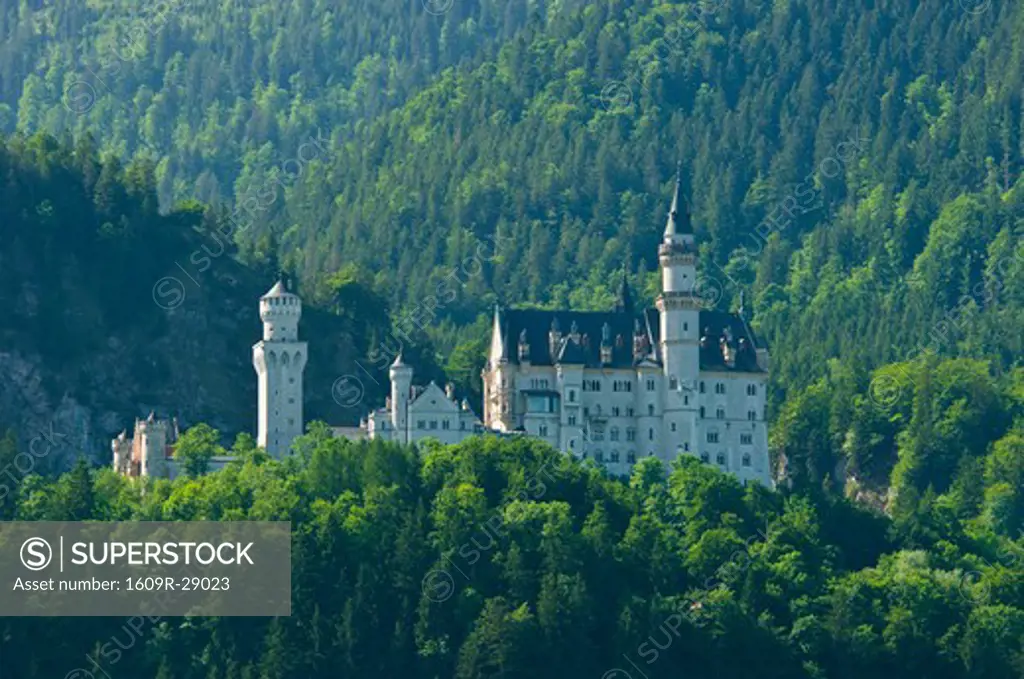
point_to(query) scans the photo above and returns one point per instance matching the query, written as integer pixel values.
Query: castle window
(615, 411)
(686, 400)
(572, 420)
(630, 412)
(704, 457)
(631, 457)
(650, 434)
(291, 380)
(572, 396)
(686, 327)
(421, 424)
(445, 424)
(746, 439)
(613, 434)
(433, 424)
(650, 408)
(720, 459)
(686, 447)
(702, 386)
(543, 430)
(673, 383)
(751, 390)
(702, 412)
(291, 400)
(712, 437)
(673, 426)
(746, 459)
(599, 456)
(720, 413)
(462, 426)
(719, 387)
(615, 456)
(751, 415)
(651, 386)
(630, 434)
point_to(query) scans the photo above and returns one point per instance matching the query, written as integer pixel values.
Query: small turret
(554, 339)
(401, 390)
(523, 348)
(606, 344)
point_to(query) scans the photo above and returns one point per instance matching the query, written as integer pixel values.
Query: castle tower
(122, 448)
(679, 313)
(401, 389)
(151, 435)
(279, 359)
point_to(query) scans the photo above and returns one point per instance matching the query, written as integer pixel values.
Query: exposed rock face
(192, 362)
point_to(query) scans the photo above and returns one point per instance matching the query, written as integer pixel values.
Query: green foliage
(196, 447)
(503, 557)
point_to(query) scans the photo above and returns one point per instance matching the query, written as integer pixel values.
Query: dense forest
(101, 324)
(505, 558)
(854, 168)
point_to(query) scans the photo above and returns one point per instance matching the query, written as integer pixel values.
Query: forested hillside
(100, 325)
(501, 558)
(221, 92)
(854, 169)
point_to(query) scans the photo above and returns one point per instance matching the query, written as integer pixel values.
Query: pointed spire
(625, 301)
(399, 363)
(679, 214)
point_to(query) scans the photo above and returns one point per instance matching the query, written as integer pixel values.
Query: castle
(614, 386)
(279, 359)
(414, 413)
(611, 386)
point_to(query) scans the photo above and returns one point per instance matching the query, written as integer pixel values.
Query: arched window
(720, 459)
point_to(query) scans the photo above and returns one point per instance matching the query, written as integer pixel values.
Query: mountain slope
(100, 324)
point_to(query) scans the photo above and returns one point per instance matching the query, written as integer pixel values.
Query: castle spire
(679, 214)
(624, 303)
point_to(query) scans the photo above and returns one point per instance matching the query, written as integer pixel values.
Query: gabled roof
(537, 323)
(714, 327)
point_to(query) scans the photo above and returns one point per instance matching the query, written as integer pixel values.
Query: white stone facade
(619, 386)
(279, 359)
(415, 413)
(610, 386)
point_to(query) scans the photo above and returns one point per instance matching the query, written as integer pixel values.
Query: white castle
(279, 359)
(610, 386)
(613, 386)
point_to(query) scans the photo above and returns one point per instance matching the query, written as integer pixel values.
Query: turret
(122, 449)
(606, 344)
(523, 348)
(151, 436)
(554, 339)
(401, 389)
(679, 320)
(279, 359)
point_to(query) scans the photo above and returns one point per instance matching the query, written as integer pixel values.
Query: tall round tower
(279, 359)
(679, 321)
(401, 388)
